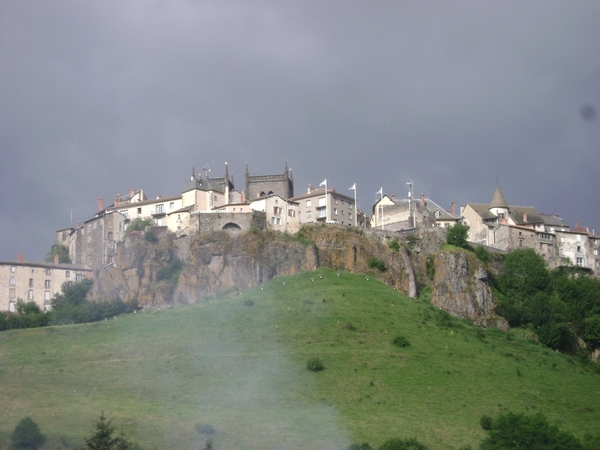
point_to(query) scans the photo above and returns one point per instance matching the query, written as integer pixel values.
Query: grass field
(242, 370)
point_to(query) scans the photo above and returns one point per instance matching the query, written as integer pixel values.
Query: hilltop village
(206, 204)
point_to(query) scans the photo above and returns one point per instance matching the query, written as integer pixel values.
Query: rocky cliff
(158, 270)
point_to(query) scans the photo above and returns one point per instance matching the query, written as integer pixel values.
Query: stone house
(316, 205)
(36, 281)
(394, 214)
(508, 228)
(281, 214)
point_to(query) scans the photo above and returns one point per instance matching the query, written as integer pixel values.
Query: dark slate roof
(483, 210)
(553, 221)
(203, 185)
(433, 207)
(46, 265)
(517, 214)
(498, 200)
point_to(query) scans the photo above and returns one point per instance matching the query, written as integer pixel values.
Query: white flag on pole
(380, 191)
(324, 183)
(353, 187)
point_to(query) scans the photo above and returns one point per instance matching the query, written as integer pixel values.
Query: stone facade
(316, 204)
(37, 282)
(257, 186)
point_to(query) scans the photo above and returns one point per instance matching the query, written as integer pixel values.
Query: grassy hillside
(242, 369)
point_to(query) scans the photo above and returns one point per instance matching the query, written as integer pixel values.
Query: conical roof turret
(498, 200)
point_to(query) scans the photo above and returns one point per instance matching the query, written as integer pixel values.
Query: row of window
(322, 213)
(322, 202)
(47, 283)
(13, 269)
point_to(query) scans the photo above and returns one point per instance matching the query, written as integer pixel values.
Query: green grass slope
(242, 369)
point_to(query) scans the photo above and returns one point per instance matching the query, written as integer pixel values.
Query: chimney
(525, 217)
(131, 192)
(56, 259)
(310, 188)
(393, 197)
(453, 209)
(100, 204)
(423, 199)
(20, 258)
(117, 199)
(78, 224)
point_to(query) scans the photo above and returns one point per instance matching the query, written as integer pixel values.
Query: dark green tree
(140, 224)
(58, 249)
(457, 235)
(104, 439)
(521, 432)
(525, 274)
(27, 434)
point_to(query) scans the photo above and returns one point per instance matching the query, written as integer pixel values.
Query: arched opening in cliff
(232, 228)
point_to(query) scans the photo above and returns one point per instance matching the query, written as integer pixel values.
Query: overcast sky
(97, 97)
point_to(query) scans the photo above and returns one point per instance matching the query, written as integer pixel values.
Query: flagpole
(326, 199)
(355, 208)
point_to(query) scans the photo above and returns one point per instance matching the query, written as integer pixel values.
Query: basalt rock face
(460, 286)
(173, 270)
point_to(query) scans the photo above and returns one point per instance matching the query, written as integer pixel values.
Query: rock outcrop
(460, 286)
(170, 270)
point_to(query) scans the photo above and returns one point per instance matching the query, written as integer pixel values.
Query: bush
(482, 254)
(430, 267)
(486, 422)
(394, 244)
(27, 434)
(376, 263)
(149, 236)
(139, 224)
(457, 235)
(402, 444)
(315, 364)
(400, 341)
(517, 431)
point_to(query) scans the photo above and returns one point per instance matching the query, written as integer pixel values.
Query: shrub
(394, 244)
(376, 263)
(430, 267)
(482, 254)
(457, 235)
(139, 224)
(512, 430)
(315, 364)
(350, 327)
(401, 341)
(402, 444)
(27, 434)
(486, 422)
(149, 236)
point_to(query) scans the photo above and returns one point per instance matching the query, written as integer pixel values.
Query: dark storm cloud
(99, 97)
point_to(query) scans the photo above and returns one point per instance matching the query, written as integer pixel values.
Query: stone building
(394, 214)
(506, 227)
(316, 205)
(257, 186)
(35, 281)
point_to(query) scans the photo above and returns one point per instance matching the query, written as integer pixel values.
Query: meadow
(233, 368)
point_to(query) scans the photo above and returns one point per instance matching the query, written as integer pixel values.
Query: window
(67, 273)
(13, 269)
(322, 201)
(578, 248)
(277, 210)
(321, 213)
(292, 213)
(48, 271)
(12, 293)
(308, 214)
(31, 282)
(350, 216)
(335, 211)
(47, 295)
(11, 306)
(350, 206)
(30, 294)
(95, 224)
(13, 281)
(110, 235)
(562, 239)
(580, 262)
(160, 209)
(139, 211)
(33, 270)
(47, 306)
(308, 203)
(78, 277)
(334, 201)
(47, 284)
(595, 252)
(172, 205)
(579, 237)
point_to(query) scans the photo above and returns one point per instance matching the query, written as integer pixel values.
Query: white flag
(380, 191)
(324, 183)
(353, 187)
